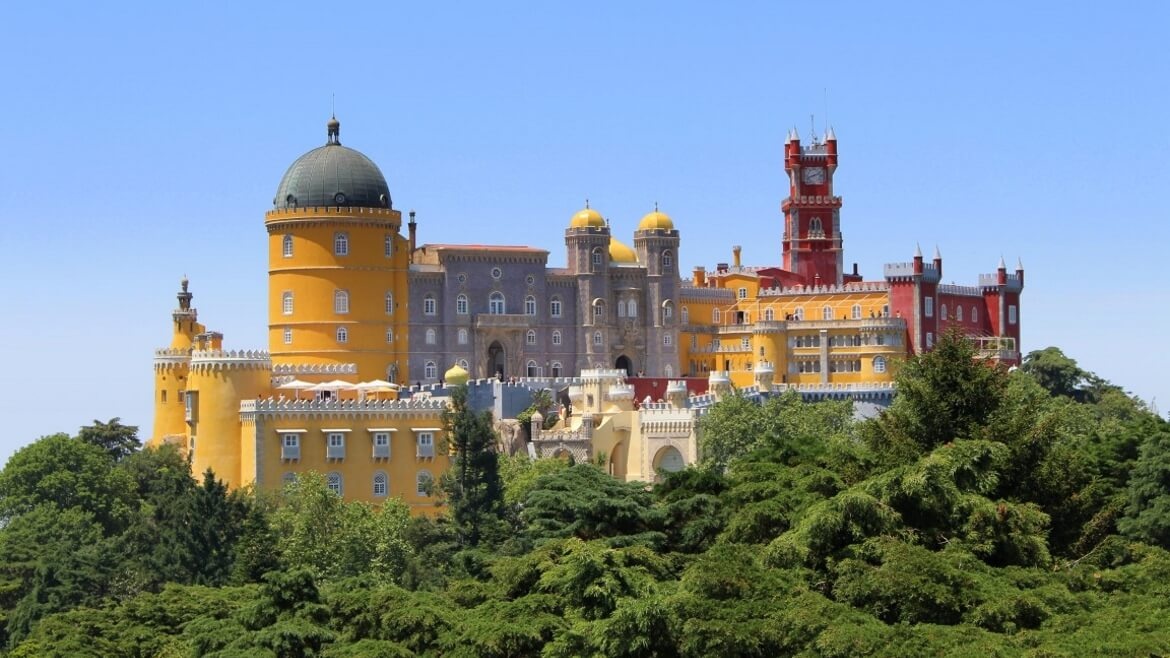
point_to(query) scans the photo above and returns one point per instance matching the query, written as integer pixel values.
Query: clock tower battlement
(812, 242)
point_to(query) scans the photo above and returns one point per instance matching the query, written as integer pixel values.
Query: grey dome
(333, 175)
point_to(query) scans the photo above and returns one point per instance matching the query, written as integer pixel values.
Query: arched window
(554, 307)
(667, 260)
(686, 315)
(632, 308)
(716, 316)
(879, 364)
(769, 314)
(958, 313)
(287, 246)
(342, 335)
(462, 337)
(461, 304)
(423, 483)
(392, 373)
(667, 311)
(389, 303)
(381, 484)
(340, 301)
(667, 340)
(530, 305)
(388, 245)
(286, 303)
(855, 312)
(333, 481)
(556, 337)
(826, 312)
(389, 335)
(942, 312)
(668, 371)
(341, 243)
(974, 313)
(597, 258)
(531, 369)
(430, 306)
(430, 370)
(430, 336)
(556, 368)
(496, 303)
(598, 310)
(530, 337)
(597, 338)
(288, 335)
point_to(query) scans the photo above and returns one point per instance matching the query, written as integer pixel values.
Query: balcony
(381, 451)
(425, 451)
(335, 452)
(503, 321)
(290, 452)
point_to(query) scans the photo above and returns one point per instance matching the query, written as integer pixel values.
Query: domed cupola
(656, 221)
(333, 176)
(587, 218)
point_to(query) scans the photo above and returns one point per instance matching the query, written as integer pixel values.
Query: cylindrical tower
(171, 366)
(337, 275)
(218, 381)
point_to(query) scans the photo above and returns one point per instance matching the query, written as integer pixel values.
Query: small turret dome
(456, 376)
(656, 220)
(587, 218)
(621, 253)
(331, 176)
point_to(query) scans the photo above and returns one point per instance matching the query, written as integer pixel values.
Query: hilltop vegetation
(986, 513)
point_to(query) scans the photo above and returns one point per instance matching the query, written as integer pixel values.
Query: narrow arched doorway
(496, 360)
(623, 363)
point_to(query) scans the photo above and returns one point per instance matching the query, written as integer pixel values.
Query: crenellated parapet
(171, 358)
(620, 392)
(285, 408)
(215, 360)
(859, 286)
(293, 369)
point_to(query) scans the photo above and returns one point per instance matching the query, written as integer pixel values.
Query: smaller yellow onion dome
(587, 218)
(656, 220)
(456, 376)
(620, 253)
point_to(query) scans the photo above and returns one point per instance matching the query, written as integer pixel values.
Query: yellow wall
(216, 420)
(358, 468)
(313, 273)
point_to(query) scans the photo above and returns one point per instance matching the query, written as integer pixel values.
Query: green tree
(1054, 371)
(1147, 516)
(732, 428)
(585, 502)
(117, 440)
(473, 488)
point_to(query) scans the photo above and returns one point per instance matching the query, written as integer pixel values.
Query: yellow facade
(337, 289)
(825, 335)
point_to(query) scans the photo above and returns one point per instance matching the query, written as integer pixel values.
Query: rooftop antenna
(812, 126)
(827, 122)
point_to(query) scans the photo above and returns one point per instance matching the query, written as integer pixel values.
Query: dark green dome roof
(333, 175)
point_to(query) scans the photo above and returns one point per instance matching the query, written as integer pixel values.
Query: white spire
(1019, 264)
(795, 135)
(788, 137)
(917, 250)
(830, 135)
(937, 253)
(1002, 265)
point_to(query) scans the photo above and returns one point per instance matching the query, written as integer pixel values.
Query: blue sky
(142, 142)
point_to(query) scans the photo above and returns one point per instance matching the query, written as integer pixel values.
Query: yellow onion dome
(587, 218)
(656, 220)
(620, 253)
(456, 376)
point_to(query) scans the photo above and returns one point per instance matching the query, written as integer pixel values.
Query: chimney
(699, 277)
(735, 255)
(413, 229)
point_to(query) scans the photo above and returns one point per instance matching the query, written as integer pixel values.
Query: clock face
(813, 175)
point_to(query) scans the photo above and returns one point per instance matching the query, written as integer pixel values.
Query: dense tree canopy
(986, 513)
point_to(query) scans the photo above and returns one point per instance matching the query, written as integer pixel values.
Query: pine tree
(472, 485)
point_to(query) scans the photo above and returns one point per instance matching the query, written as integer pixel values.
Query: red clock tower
(812, 214)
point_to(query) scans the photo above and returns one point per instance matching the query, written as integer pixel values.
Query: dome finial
(587, 203)
(655, 206)
(333, 130)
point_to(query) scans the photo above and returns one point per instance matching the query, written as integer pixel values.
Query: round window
(530, 279)
(462, 277)
(497, 273)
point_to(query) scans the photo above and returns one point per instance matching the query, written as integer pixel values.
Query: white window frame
(531, 369)
(1013, 314)
(461, 336)
(340, 243)
(554, 306)
(335, 445)
(855, 312)
(430, 304)
(597, 339)
(381, 439)
(430, 336)
(286, 302)
(497, 303)
(632, 308)
(388, 246)
(334, 483)
(340, 302)
(461, 305)
(381, 484)
(389, 303)
(667, 340)
(556, 369)
(529, 305)
(286, 246)
(530, 337)
(342, 335)
(741, 293)
(556, 337)
(826, 312)
(424, 442)
(879, 364)
(667, 260)
(430, 370)
(288, 335)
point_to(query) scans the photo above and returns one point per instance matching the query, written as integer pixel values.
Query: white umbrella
(377, 384)
(297, 385)
(335, 385)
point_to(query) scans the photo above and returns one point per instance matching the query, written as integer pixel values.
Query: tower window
(342, 335)
(597, 258)
(288, 335)
(496, 303)
(380, 484)
(769, 314)
(974, 313)
(389, 303)
(554, 307)
(388, 246)
(389, 335)
(667, 311)
(430, 336)
(287, 246)
(929, 339)
(667, 340)
(429, 305)
(286, 303)
(667, 260)
(686, 315)
(716, 316)
(632, 308)
(462, 336)
(341, 243)
(598, 310)
(928, 311)
(530, 305)
(461, 304)
(430, 370)
(530, 337)
(340, 301)
(959, 313)
(556, 337)
(597, 338)
(942, 312)
(1012, 314)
